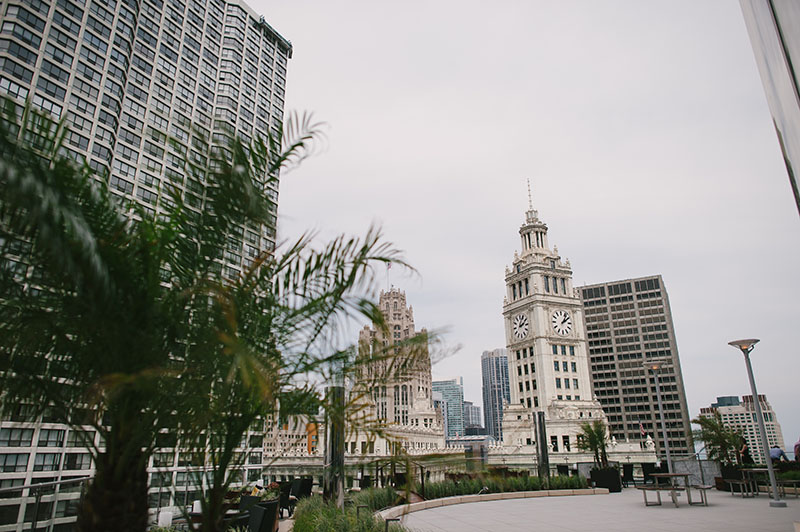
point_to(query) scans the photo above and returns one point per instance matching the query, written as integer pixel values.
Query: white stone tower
(548, 365)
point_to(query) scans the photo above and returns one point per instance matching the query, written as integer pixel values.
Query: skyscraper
(628, 323)
(453, 395)
(494, 372)
(742, 416)
(472, 415)
(774, 28)
(144, 86)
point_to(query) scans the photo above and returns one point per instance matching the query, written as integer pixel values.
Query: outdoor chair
(296, 486)
(264, 517)
(285, 501)
(627, 475)
(365, 482)
(306, 483)
(647, 470)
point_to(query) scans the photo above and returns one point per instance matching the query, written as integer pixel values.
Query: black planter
(607, 478)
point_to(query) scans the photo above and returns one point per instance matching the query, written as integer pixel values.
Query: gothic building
(394, 388)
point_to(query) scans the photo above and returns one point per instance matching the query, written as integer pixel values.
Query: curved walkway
(618, 512)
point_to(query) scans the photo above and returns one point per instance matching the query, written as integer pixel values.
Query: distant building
(742, 416)
(774, 28)
(441, 408)
(472, 415)
(627, 323)
(453, 395)
(399, 400)
(494, 371)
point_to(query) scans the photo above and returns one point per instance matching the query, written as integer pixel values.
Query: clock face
(562, 322)
(520, 326)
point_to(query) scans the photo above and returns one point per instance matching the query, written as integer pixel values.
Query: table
(752, 475)
(673, 477)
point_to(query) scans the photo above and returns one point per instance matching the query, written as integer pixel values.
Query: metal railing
(37, 491)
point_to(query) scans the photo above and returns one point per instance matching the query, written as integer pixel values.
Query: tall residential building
(774, 28)
(742, 416)
(144, 86)
(546, 342)
(400, 401)
(472, 415)
(629, 323)
(453, 395)
(494, 372)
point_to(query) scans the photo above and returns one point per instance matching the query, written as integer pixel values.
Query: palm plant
(125, 324)
(593, 438)
(722, 442)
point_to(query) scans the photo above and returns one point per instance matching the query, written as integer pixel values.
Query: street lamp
(655, 367)
(745, 346)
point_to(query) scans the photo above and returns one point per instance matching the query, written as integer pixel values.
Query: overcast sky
(642, 125)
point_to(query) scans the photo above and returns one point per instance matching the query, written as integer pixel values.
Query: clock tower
(548, 364)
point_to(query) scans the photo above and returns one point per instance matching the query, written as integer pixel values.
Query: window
(565, 441)
(51, 438)
(16, 437)
(563, 350)
(80, 438)
(47, 462)
(556, 366)
(555, 349)
(575, 385)
(566, 383)
(564, 366)
(555, 285)
(13, 463)
(563, 286)
(558, 382)
(554, 443)
(77, 461)
(546, 283)
(572, 350)
(574, 367)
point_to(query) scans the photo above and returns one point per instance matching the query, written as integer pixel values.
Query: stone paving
(617, 512)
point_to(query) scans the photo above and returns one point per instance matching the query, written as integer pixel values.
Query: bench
(745, 487)
(702, 488)
(658, 489)
(784, 483)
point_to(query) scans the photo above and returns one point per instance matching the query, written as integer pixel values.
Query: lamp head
(745, 345)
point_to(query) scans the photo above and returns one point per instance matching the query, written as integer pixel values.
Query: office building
(453, 396)
(472, 415)
(741, 416)
(629, 323)
(494, 373)
(143, 87)
(774, 29)
(546, 343)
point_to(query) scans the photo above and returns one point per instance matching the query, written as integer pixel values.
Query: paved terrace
(617, 512)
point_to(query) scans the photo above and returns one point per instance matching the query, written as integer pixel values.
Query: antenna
(530, 201)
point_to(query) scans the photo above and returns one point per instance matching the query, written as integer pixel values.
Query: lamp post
(745, 346)
(655, 367)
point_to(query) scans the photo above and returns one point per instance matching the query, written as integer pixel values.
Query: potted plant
(593, 438)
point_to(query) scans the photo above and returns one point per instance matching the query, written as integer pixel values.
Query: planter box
(607, 478)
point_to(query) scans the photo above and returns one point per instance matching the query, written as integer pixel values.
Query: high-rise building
(144, 86)
(494, 372)
(401, 401)
(629, 323)
(453, 396)
(742, 417)
(546, 342)
(472, 415)
(774, 28)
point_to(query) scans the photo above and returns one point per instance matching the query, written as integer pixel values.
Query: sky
(642, 126)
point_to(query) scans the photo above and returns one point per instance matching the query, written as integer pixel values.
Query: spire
(530, 201)
(531, 216)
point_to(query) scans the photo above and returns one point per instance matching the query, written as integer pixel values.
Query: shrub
(315, 515)
(377, 498)
(467, 486)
